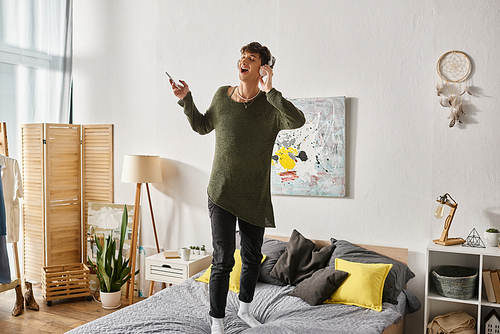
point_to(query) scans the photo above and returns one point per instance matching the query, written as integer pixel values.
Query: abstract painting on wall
(310, 161)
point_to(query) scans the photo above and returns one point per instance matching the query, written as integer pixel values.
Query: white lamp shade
(141, 169)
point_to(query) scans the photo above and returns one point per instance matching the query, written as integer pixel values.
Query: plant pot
(111, 300)
(491, 239)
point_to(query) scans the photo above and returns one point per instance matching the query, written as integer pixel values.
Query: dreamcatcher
(453, 69)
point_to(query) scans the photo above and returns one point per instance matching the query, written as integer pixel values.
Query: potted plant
(203, 250)
(192, 249)
(197, 250)
(112, 269)
(491, 237)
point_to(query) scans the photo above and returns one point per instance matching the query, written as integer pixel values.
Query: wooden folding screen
(97, 169)
(33, 201)
(53, 164)
(62, 194)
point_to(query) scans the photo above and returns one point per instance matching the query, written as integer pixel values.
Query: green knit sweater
(241, 170)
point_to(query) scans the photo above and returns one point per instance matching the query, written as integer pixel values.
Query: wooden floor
(62, 316)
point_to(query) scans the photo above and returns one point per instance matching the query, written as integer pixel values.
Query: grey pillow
(397, 278)
(300, 259)
(272, 249)
(320, 286)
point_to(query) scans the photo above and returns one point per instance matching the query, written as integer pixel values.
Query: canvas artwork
(105, 219)
(310, 161)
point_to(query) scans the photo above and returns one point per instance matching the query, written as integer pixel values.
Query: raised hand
(267, 84)
(181, 91)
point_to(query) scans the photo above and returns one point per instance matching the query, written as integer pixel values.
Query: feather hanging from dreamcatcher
(453, 69)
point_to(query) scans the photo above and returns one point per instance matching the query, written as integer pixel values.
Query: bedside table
(174, 271)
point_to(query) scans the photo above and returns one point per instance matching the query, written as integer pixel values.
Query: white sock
(217, 326)
(244, 314)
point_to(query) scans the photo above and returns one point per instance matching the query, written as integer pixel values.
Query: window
(35, 64)
(35, 67)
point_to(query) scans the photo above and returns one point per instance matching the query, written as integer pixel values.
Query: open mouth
(244, 70)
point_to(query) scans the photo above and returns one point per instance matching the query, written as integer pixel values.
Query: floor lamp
(139, 169)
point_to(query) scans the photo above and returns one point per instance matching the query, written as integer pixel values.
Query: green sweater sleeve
(199, 123)
(290, 116)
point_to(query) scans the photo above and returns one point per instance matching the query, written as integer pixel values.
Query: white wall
(381, 55)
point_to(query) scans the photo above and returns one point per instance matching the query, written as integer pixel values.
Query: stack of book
(491, 280)
(171, 255)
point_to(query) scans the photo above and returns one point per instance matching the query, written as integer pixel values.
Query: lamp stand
(133, 246)
(444, 240)
(156, 238)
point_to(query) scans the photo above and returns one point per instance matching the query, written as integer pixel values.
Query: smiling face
(249, 66)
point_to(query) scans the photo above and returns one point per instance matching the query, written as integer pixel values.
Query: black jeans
(223, 242)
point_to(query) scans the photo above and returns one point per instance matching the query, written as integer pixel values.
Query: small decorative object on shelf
(444, 200)
(491, 237)
(474, 240)
(492, 322)
(197, 250)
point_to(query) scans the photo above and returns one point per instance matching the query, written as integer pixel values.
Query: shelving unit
(478, 258)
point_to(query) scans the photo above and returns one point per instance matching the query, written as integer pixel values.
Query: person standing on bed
(246, 119)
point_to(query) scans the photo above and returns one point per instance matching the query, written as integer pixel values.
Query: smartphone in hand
(177, 84)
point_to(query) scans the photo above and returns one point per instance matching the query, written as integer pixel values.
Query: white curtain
(35, 67)
(35, 64)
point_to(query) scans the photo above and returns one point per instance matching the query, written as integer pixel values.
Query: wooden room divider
(97, 170)
(64, 167)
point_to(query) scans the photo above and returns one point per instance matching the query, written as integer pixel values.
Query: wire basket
(455, 281)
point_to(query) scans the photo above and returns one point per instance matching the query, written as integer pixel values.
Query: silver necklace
(241, 97)
(247, 105)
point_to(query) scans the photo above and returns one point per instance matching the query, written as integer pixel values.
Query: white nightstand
(174, 271)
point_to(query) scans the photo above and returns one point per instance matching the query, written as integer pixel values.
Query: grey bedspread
(184, 309)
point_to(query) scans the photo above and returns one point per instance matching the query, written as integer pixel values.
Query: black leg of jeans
(251, 245)
(223, 242)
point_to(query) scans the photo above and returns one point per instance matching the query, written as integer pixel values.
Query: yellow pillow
(234, 277)
(364, 285)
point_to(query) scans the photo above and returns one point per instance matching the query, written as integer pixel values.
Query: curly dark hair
(263, 51)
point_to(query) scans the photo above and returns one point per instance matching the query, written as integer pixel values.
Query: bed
(184, 308)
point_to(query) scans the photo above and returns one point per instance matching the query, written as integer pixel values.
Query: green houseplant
(112, 269)
(491, 237)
